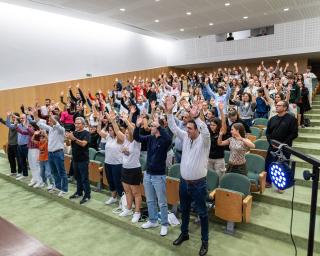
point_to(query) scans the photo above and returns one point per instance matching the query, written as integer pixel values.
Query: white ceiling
(140, 14)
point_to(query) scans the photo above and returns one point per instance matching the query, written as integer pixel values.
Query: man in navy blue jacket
(154, 180)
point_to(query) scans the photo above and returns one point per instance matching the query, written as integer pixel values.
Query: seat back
(92, 153)
(143, 163)
(260, 121)
(100, 157)
(236, 182)
(212, 180)
(256, 132)
(226, 156)
(172, 188)
(261, 144)
(174, 171)
(255, 163)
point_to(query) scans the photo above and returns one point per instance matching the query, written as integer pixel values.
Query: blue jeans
(23, 158)
(56, 160)
(155, 188)
(45, 172)
(113, 174)
(197, 193)
(81, 170)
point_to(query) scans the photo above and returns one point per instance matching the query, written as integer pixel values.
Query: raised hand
(194, 111)
(153, 104)
(287, 64)
(169, 104)
(278, 61)
(112, 116)
(133, 109)
(139, 121)
(78, 85)
(295, 64)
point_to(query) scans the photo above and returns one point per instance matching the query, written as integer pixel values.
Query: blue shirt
(157, 148)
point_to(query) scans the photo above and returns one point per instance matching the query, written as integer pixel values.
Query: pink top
(66, 118)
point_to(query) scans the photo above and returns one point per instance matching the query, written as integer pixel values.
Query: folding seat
(233, 200)
(256, 172)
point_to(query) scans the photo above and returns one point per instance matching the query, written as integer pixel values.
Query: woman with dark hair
(113, 157)
(246, 107)
(238, 145)
(303, 102)
(216, 156)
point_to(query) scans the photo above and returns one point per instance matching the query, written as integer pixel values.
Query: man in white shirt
(193, 168)
(308, 81)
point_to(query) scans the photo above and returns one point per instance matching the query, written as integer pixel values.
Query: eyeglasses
(279, 105)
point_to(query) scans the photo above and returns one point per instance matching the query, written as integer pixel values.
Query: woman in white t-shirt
(131, 176)
(113, 156)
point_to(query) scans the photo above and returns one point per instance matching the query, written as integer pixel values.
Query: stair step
(313, 130)
(307, 137)
(302, 164)
(312, 116)
(307, 147)
(275, 222)
(302, 198)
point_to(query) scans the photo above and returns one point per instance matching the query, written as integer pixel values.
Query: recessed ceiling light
(245, 17)
(188, 13)
(156, 21)
(122, 9)
(227, 4)
(210, 24)
(286, 9)
(157, 0)
(181, 29)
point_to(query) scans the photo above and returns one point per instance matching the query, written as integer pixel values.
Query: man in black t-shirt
(80, 159)
(284, 128)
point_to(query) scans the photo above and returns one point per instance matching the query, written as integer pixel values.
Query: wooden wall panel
(12, 99)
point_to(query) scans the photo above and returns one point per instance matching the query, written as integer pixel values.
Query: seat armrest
(262, 181)
(212, 194)
(246, 208)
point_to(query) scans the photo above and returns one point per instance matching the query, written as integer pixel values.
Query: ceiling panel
(140, 14)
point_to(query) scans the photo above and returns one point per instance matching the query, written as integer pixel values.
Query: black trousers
(81, 170)
(13, 158)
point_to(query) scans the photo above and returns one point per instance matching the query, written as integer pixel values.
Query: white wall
(38, 47)
(302, 36)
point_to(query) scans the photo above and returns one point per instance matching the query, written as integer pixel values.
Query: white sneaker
(37, 185)
(164, 230)
(136, 217)
(12, 174)
(149, 224)
(111, 200)
(62, 194)
(32, 183)
(125, 213)
(50, 187)
(19, 177)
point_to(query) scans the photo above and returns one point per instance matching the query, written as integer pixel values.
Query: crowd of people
(189, 119)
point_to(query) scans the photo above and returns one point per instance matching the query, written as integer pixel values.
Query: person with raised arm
(193, 168)
(55, 148)
(154, 179)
